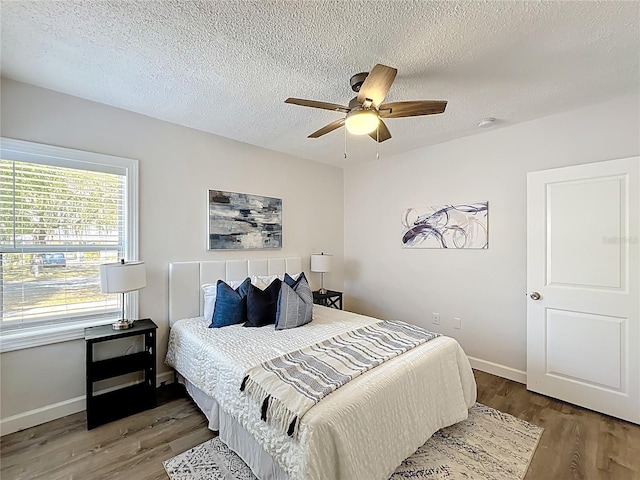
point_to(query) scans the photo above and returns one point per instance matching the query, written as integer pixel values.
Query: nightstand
(331, 299)
(124, 401)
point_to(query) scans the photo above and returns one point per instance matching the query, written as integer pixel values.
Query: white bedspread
(363, 430)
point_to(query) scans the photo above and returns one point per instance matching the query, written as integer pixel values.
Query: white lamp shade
(122, 277)
(321, 262)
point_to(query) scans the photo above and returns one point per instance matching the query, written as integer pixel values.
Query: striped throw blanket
(287, 387)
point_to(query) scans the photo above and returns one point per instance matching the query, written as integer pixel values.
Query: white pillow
(295, 276)
(235, 283)
(209, 291)
(263, 281)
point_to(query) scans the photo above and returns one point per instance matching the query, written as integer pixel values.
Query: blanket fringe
(244, 383)
(263, 410)
(273, 411)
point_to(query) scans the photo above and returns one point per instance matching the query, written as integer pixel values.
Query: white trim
(32, 152)
(41, 415)
(45, 414)
(131, 232)
(37, 336)
(165, 377)
(503, 371)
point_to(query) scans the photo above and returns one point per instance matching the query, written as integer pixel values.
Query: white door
(583, 260)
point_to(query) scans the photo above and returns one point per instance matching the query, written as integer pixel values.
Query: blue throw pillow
(231, 305)
(262, 304)
(295, 306)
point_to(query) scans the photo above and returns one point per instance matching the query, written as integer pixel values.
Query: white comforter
(363, 430)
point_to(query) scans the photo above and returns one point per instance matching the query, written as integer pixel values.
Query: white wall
(486, 288)
(177, 166)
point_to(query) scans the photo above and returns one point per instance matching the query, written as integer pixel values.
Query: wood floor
(576, 444)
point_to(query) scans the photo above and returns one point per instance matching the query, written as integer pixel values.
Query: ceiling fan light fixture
(366, 113)
(361, 122)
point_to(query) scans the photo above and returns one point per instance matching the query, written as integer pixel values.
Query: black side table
(331, 299)
(125, 401)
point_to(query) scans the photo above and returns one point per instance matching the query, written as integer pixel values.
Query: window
(62, 214)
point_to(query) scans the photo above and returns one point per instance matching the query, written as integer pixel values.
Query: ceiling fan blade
(377, 84)
(327, 128)
(382, 133)
(312, 103)
(412, 109)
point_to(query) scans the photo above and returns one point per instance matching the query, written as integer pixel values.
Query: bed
(363, 430)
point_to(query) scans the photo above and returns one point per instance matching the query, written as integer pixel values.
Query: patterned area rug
(489, 445)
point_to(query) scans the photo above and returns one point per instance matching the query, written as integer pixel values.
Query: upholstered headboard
(187, 278)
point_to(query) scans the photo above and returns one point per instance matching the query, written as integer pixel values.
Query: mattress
(361, 431)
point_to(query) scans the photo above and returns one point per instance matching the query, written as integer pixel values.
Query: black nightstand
(125, 401)
(331, 299)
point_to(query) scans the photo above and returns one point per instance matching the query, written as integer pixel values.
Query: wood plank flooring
(577, 444)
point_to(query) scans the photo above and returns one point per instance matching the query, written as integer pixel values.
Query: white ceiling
(226, 67)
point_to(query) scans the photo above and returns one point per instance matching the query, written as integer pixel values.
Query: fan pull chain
(378, 141)
(345, 143)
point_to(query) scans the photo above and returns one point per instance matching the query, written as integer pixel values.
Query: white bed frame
(186, 279)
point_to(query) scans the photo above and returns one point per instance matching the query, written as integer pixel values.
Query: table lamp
(122, 277)
(321, 263)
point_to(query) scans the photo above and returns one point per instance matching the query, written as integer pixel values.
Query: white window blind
(59, 220)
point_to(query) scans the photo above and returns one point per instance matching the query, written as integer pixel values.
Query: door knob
(534, 296)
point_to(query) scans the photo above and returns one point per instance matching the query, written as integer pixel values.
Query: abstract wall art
(240, 221)
(446, 226)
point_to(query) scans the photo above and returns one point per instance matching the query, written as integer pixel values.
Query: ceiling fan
(365, 112)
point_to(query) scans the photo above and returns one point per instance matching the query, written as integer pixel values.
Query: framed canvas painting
(446, 226)
(241, 221)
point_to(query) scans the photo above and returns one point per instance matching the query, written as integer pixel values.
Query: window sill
(45, 335)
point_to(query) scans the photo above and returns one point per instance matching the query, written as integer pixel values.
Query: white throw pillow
(209, 291)
(235, 283)
(263, 281)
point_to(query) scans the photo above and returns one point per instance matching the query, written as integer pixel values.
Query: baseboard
(499, 370)
(165, 377)
(41, 415)
(47, 413)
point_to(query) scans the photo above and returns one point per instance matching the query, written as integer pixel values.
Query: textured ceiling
(226, 67)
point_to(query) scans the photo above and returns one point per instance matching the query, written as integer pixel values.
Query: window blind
(57, 225)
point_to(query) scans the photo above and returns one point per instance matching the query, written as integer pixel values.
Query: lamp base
(322, 291)
(122, 325)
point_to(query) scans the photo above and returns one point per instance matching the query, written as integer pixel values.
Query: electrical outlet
(436, 318)
(457, 323)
